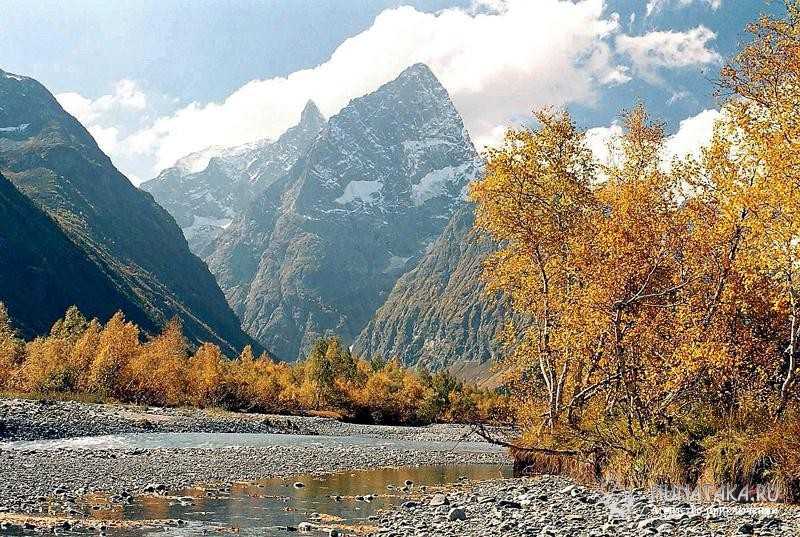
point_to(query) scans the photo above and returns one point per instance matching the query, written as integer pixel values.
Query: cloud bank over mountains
(499, 59)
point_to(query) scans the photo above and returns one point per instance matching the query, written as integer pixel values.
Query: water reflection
(268, 507)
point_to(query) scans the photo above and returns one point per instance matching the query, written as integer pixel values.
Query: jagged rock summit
(319, 250)
(206, 190)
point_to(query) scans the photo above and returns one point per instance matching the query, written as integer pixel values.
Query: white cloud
(655, 6)
(497, 59)
(492, 138)
(106, 137)
(677, 96)
(693, 133)
(127, 95)
(98, 115)
(668, 49)
(601, 141)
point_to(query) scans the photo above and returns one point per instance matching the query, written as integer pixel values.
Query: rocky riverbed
(30, 419)
(65, 482)
(64, 485)
(55, 481)
(549, 506)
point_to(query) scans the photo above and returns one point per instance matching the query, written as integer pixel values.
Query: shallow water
(226, 440)
(267, 507)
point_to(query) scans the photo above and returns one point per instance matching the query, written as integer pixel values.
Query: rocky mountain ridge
(438, 313)
(205, 191)
(54, 161)
(320, 249)
(42, 272)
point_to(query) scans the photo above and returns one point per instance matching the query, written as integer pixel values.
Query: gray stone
(456, 513)
(746, 529)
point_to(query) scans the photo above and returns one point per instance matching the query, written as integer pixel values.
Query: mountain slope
(42, 272)
(53, 160)
(320, 249)
(206, 190)
(438, 313)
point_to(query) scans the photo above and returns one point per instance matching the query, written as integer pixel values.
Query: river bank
(102, 454)
(550, 506)
(37, 419)
(149, 457)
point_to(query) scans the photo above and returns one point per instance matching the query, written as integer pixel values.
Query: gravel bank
(57, 481)
(27, 419)
(550, 506)
(54, 481)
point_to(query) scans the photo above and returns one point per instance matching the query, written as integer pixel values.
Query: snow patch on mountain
(241, 156)
(418, 151)
(208, 187)
(197, 162)
(203, 225)
(12, 76)
(416, 146)
(19, 128)
(364, 191)
(436, 182)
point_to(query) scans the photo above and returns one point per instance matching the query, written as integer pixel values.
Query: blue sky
(154, 79)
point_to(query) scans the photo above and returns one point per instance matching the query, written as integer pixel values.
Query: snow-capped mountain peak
(197, 161)
(205, 190)
(320, 249)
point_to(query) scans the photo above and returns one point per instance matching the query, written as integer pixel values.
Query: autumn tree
(85, 357)
(205, 376)
(536, 200)
(328, 363)
(83, 354)
(637, 276)
(442, 385)
(118, 344)
(155, 374)
(45, 369)
(662, 296)
(71, 326)
(758, 160)
(49, 365)
(392, 395)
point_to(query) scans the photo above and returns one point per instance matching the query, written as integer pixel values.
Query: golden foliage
(661, 299)
(11, 349)
(84, 357)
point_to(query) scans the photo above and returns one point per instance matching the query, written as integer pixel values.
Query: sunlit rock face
(319, 250)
